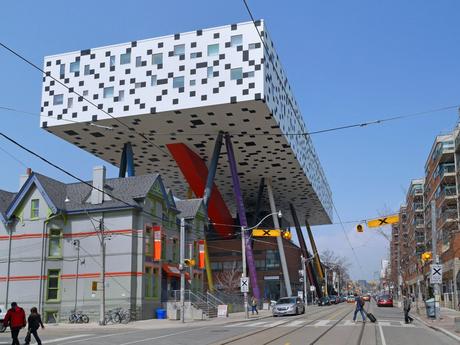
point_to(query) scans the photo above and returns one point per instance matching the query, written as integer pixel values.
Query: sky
(347, 62)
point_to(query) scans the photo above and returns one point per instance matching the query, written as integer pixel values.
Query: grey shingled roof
(188, 208)
(5, 200)
(127, 189)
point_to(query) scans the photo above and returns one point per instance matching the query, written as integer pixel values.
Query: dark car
(324, 301)
(332, 299)
(385, 301)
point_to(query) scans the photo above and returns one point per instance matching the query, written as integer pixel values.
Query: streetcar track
(233, 340)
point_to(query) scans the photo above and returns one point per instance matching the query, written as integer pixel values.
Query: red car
(385, 301)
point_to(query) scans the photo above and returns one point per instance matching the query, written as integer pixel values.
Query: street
(320, 325)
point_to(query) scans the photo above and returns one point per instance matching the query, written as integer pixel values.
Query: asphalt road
(330, 325)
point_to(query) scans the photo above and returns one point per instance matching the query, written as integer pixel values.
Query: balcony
(446, 192)
(417, 206)
(447, 217)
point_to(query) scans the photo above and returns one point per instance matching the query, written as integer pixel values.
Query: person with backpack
(34, 322)
(359, 307)
(16, 319)
(254, 305)
(406, 305)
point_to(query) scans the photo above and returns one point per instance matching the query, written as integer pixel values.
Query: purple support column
(242, 216)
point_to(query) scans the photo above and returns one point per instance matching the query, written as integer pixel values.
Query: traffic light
(287, 235)
(189, 262)
(427, 256)
(359, 228)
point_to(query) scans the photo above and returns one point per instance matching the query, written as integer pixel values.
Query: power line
(48, 74)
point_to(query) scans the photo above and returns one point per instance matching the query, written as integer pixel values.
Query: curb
(436, 328)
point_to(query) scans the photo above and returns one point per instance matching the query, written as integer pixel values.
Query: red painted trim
(71, 235)
(73, 276)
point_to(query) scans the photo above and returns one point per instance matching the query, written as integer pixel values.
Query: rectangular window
(58, 99)
(194, 55)
(210, 72)
(70, 102)
(163, 247)
(125, 58)
(179, 49)
(157, 59)
(213, 49)
(156, 286)
(108, 92)
(148, 242)
(178, 82)
(55, 243)
(252, 45)
(34, 208)
(52, 291)
(121, 95)
(75, 66)
(236, 40)
(51, 316)
(236, 73)
(112, 60)
(148, 282)
(153, 80)
(137, 85)
(86, 70)
(62, 70)
(272, 259)
(85, 92)
(250, 74)
(175, 246)
(138, 61)
(192, 82)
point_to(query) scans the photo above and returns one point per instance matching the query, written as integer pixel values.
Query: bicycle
(78, 317)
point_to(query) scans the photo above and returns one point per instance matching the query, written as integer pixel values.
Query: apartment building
(50, 240)
(415, 234)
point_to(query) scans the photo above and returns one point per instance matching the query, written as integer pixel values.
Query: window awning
(173, 271)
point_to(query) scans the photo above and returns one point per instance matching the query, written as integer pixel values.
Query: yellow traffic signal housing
(359, 228)
(427, 256)
(189, 262)
(287, 235)
(94, 286)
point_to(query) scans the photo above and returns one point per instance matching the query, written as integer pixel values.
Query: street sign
(312, 288)
(300, 294)
(300, 279)
(436, 274)
(301, 273)
(244, 284)
(266, 232)
(375, 223)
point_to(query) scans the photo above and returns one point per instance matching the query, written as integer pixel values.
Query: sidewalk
(159, 324)
(446, 324)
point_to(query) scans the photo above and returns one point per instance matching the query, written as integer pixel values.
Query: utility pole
(76, 243)
(243, 275)
(435, 257)
(10, 237)
(304, 275)
(325, 281)
(182, 269)
(102, 242)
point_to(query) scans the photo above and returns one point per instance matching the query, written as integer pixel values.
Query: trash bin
(161, 313)
(430, 308)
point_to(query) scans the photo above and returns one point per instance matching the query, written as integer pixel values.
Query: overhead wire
(297, 117)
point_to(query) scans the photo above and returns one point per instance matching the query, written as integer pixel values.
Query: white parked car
(289, 306)
(2, 317)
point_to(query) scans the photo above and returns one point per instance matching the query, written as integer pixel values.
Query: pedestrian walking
(406, 305)
(254, 305)
(16, 319)
(34, 322)
(359, 307)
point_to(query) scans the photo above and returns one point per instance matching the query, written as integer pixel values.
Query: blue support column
(242, 216)
(127, 161)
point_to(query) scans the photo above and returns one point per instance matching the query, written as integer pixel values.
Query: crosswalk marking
(321, 323)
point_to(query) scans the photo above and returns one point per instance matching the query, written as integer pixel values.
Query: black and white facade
(185, 88)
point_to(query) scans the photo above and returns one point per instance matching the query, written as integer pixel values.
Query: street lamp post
(243, 254)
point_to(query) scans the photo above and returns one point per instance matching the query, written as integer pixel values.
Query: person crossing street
(254, 305)
(16, 319)
(406, 305)
(359, 307)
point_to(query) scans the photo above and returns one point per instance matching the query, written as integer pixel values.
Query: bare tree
(339, 264)
(229, 280)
